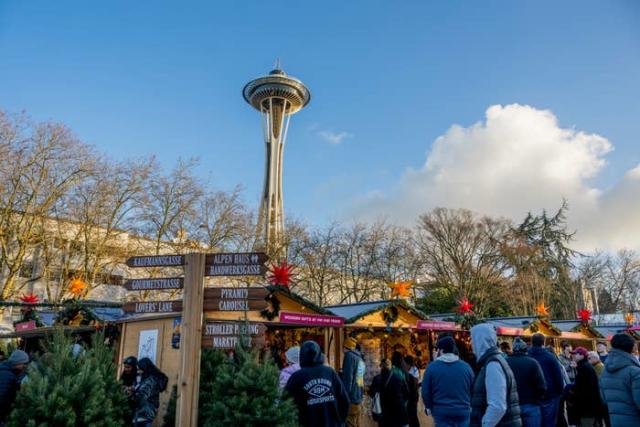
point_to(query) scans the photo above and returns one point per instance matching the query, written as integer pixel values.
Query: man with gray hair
(10, 371)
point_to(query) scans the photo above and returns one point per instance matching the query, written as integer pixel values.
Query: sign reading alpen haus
(236, 299)
(154, 284)
(226, 335)
(236, 264)
(156, 261)
(152, 307)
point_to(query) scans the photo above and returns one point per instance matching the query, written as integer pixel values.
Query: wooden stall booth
(437, 328)
(276, 320)
(382, 327)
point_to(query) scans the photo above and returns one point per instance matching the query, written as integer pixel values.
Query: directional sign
(156, 261)
(235, 299)
(226, 335)
(152, 307)
(236, 264)
(154, 284)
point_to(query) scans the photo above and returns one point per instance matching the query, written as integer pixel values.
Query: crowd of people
(524, 385)
(507, 386)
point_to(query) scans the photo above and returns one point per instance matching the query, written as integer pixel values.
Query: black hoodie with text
(317, 390)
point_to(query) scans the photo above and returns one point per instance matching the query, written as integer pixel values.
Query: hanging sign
(236, 264)
(25, 326)
(154, 284)
(310, 319)
(152, 306)
(156, 261)
(436, 325)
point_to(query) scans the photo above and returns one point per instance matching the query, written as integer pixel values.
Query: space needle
(276, 96)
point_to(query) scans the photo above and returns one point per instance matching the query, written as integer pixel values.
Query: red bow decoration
(584, 315)
(29, 299)
(465, 306)
(281, 275)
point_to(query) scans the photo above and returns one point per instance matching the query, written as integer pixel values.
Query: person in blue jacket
(620, 382)
(447, 386)
(552, 371)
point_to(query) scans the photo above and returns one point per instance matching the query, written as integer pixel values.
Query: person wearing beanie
(620, 382)
(447, 385)
(10, 372)
(293, 364)
(530, 382)
(494, 401)
(553, 378)
(352, 375)
(585, 404)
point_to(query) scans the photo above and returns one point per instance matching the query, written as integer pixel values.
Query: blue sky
(165, 78)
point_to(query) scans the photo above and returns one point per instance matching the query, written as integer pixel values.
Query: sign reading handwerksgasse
(236, 264)
(156, 261)
(154, 284)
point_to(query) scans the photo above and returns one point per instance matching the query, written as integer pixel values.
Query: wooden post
(190, 341)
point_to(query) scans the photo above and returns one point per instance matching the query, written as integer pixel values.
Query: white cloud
(517, 160)
(334, 138)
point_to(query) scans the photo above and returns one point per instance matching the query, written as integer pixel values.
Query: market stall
(272, 317)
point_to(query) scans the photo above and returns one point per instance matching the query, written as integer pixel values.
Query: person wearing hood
(530, 382)
(494, 401)
(147, 393)
(620, 382)
(293, 364)
(317, 390)
(553, 377)
(10, 372)
(353, 369)
(446, 387)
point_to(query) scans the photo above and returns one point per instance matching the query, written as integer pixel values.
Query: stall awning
(378, 313)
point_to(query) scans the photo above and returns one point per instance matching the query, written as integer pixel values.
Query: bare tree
(460, 254)
(41, 162)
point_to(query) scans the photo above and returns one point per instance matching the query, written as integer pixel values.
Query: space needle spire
(276, 96)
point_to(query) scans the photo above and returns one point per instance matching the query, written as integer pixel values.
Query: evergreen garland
(272, 312)
(65, 391)
(76, 313)
(390, 314)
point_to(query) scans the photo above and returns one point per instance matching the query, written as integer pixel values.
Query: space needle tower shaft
(276, 96)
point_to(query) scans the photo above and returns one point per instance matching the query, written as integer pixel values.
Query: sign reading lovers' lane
(154, 284)
(236, 264)
(152, 306)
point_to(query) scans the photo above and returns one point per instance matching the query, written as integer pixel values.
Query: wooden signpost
(195, 300)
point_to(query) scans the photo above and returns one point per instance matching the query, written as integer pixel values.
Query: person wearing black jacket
(317, 390)
(586, 404)
(530, 382)
(552, 371)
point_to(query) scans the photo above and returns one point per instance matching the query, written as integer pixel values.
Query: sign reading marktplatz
(226, 335)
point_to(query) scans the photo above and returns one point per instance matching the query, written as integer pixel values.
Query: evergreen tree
(63, 390)
(244, 392)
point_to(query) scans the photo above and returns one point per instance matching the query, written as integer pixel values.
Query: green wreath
(390, 314)
(272, 312)
(75, 313)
